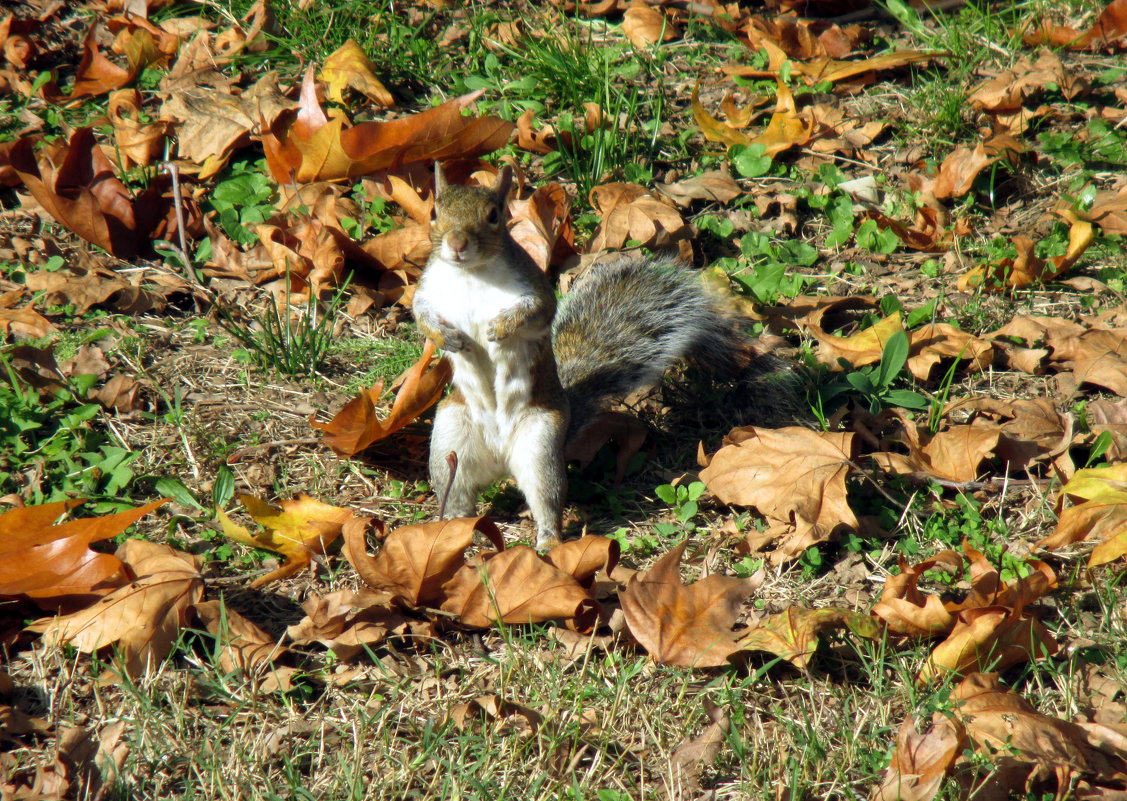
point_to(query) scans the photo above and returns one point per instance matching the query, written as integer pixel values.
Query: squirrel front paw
(498, 329)
(453, 340)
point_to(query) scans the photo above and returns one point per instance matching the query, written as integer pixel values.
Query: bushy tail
(627, 322)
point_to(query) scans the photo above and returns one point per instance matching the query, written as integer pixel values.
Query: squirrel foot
(547, 540)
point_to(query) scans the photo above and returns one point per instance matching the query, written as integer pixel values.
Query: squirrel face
(468, 227)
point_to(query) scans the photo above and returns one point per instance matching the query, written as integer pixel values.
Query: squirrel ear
(439, 179)
(504, 184)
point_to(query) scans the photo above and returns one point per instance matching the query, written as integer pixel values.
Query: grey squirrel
(529, 379)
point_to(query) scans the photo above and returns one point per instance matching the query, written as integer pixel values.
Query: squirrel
(528, 379)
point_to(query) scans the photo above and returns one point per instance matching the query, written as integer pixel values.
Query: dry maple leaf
(583, 558)
(516, 585)
(298, 529)
(415, 561)
(1100, 517)
(645, 26)
(355, 427)
(347, 622)
(803, 39)
(793, 634)
(1030, 430)
(1107, 32)
(953, 454)
(348, 67)
(542, 226)
(921, 760)
(816, 70)
(933, 343)
(959, 170)
(693, 755)
(75, 183)
(96, 74)
(243, 646)
(314, 146)
(786, 128)
(792, 476)
(495, 708)
(988, 638)
(632, 215)
(686, 625)
(907, 611)
(717, 186)
(860, 349)
(141, 619)
(138, 143)
(43, 560)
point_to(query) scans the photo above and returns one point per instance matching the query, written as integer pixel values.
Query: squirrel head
(470, 222)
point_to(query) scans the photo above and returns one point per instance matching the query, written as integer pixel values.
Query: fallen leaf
(542, 226)
(988, 637)
(583, 558)
(953, 454)
(139, 143)
(632, 216)
(298, 529)
(860, 349)
(793, 635)
(1106, 33)
(792, 476)
(415, 561)
(355, 427)
(906, 610)
(645, 26)
(141, 619)
(803, 39)
(932, 343)
(347, 622)
(717, 186)
(1100, 517)
(959, 170)
(1028, 268)
(686, 625)
(243, 646)
(495, 708)
(515, 586)
(816, 70)
(693, 755)
(786, 128)
(349, 67)
(97, 74)
(44, 560)
(921, 760)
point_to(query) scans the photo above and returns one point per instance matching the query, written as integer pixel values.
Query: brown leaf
(355, 427)
(631, 215)
(583, 558)
(962, 166)
(921, 760)
(717, 186)
(347, 622)
(988, 637)
(933, 343)
(906, 610)
(497, 709)
(245, 647)
(1030, 431)
(25, 323)
(299, 529)
(516, 585)
(791, 476)
(76, 185)
(793, 634)
(687, 625)
(97, 74)
(1107, 33)
(803, 39)
(817, 70)
(415, 561)
(349, 67)
(786, 128)
(693, 755)
(1028, 268)
(542, 226)
(1009, 91)
(143, 618)
(1101, 517)
(864, 347)
(1109, 211)
(645, 26)
(1096, 357)
(139, 143)
(45, 561)
(953, 454)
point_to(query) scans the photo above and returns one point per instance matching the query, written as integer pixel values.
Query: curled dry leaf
(245, 647)
(1101, 515)
(816, 70)
(1030, 430)
(542, 226)
(803, 39)
(298, 529)
(1108, 32)
(346, 622)
(516, 585)
(921, 760)
(793, 634)
(933, 343)
(717, 186)
(496, 709)
(415, 561)
(953, 454)
(864, 347)
(42, 560)
(786, 128)
(139, 143)
(906, 610)
(988, 638)
(97, 74)
(355, 427)
(631, 214)
(24, 323)
(687, 625)
(75, 183)
(348, 67)
(315, 147)
(693, 755)
(962, 166)
(141, 619)
(583, 558)
(1028, 268)
(792, 476)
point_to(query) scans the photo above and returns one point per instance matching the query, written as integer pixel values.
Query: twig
(238, 455)
(182, 250)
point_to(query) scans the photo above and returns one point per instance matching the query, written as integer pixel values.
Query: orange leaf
(793, 634)
(1028, 268)
(355, 427)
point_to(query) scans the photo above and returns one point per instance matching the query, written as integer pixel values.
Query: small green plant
(766, 269)
(276, 341)
(871, 384)
(242, 198)
(682, 498)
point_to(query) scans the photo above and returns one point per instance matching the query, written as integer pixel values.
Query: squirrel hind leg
(537, 463)
(478, 464)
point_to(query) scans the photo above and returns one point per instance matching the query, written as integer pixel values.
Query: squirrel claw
(546, 541)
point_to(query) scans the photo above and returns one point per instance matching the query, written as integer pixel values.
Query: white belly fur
(495, 378)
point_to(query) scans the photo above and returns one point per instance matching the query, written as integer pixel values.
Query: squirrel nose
(457, 244)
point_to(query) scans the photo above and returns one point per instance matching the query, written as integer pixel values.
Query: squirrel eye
(494, 217)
